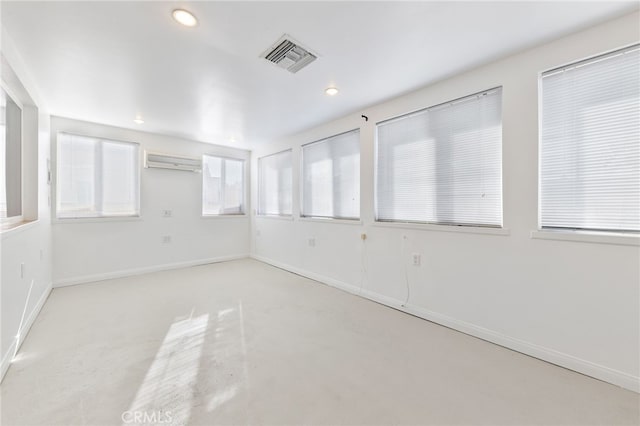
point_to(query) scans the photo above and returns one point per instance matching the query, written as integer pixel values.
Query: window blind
(443, 164)
(10, 157)
(331, 177)
(275, 182)
(590, 144)
(96, 177)
(222, 185)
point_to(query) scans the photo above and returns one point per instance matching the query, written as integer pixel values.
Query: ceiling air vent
(289, 55)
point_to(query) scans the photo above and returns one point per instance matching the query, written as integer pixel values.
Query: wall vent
(288, 54)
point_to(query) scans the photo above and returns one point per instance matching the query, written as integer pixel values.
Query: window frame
(10, 222)
(243, 206)
(589, 235)
(474, 228)
(260, 194)
(101, 218)
(301, 189)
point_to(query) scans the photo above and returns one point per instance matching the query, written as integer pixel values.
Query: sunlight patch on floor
(168, 386)
(230, 351)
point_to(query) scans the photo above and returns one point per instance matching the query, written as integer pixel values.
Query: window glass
(443, 164)
(96, 177)
(590, 144)
(275, 184)
(331, 177)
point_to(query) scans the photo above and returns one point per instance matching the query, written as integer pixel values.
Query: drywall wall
(574, 303)
(90, 249)
(25, 251)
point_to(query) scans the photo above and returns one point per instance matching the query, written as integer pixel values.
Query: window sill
(78, 220)
(264, 216)
(9, 230)
(224, 216)
(444, 228)
(587, 237)
(331, 220)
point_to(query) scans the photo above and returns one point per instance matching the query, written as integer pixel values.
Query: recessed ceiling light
(138, 120)
(184, 17)
(331, 91)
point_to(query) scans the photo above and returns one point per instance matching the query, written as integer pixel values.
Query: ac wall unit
(154, 160)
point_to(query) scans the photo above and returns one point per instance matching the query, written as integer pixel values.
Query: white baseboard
(144, 270)
(17, 340)
(311, 275)
(552, 356)
(6, 359)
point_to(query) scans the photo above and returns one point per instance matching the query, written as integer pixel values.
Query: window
(96, 177)
(10, 158)
(274, 186)
(590, 144)
(331, 177)
(443, 164)
(222, 186)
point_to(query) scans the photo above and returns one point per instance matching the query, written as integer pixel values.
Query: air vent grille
(289, 55)
(277, 54)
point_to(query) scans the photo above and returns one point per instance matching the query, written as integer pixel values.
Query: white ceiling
(110, 61)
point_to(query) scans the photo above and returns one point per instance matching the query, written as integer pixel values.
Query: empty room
(320, 213)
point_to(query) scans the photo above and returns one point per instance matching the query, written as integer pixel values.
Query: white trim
(143, 270)
(94, 219)
(10, 232)
(288, 217)
(6, 359)
(225, 216)
(15, 344)
(13, 95)
(444, 228)
(11, 222)
(552, 356)
(311, 275)
(330, 220)
(587, 237)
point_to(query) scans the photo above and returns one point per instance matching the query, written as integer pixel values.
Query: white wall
(24, 289)
(88, 250)
(574, 303)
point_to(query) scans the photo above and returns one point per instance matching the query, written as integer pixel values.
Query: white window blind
(275, 184)
(331, 177)
(590, 144)
(10, 157)
(96, 177)
(443, 164)
(222, 185)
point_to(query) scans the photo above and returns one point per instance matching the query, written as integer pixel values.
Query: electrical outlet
(166, 239)
(258, 233)
(167, 213)
(312, 242)
(41, 255)
(22, 268)
(416, 259)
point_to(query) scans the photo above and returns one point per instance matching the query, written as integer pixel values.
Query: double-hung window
(10, 159)
(331, 177)
(96, 177)
(590, 144)
(222, 186)
(275, 181)
(443, 164)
